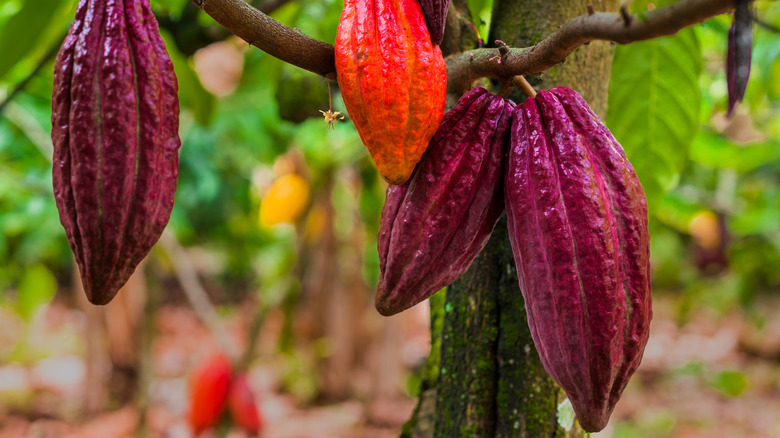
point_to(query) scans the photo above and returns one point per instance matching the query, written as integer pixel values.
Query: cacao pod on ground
(434, 226)
(243, 408)
(115, 136)
(435, 12)
(209, 385)
(577, 220)
(393, 80)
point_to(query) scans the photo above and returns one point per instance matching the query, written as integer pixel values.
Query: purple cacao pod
(577, 220)
(739, 54)
(115, 136)
(435, 12)
(435, 224)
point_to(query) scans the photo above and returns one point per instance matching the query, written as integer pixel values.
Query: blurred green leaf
(773, 80)
(653, 108)
(716, 151)
(21, 33)
(36, 288)
(482, 10)
(677, 211)
(730, 383)
(760, 215)
(328, 148)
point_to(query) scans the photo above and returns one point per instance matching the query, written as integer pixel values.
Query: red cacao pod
(578, 227)
(115, 137)
(393, 80)
(435, 12)
(434, 226)
(243, 408)
(209, 389)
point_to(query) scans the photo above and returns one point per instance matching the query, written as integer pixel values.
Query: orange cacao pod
(393, 80)
(577, 220)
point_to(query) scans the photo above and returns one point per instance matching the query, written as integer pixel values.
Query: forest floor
(715, 375)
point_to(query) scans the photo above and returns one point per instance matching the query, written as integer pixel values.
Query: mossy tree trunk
(484, 377)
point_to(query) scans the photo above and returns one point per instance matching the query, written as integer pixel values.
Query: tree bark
(491, 382)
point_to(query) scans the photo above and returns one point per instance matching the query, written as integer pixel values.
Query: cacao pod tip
(384, 305)
(99, 291)
(100, 298)
(395, 179)
(591, 420)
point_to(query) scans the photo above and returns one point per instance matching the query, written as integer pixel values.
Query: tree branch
(292, 46)
(260, 30)
(581, 30)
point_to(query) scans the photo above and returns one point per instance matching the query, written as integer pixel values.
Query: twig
(196, 294)
(626, 16)
(145, 362)
(292, 46)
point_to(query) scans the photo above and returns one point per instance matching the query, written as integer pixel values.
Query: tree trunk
(490, 381)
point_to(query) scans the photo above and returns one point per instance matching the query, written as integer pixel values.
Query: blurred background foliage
(249, 121)
(712, 183)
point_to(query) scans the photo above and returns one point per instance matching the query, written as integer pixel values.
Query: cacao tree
(484, 377)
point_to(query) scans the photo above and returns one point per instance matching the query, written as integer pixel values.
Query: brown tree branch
(260, 30)
(292, 46)
(581, 30)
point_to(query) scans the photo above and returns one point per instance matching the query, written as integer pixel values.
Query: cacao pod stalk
(434, 225)
(115, 137)
(578, 227)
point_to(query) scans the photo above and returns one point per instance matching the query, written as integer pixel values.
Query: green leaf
(653, 107)
(759, 215)
(565, 414)
(677, 211)
(730, 383)
(716, 151)
(21, 33)
(36, 288)
(482, 11)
